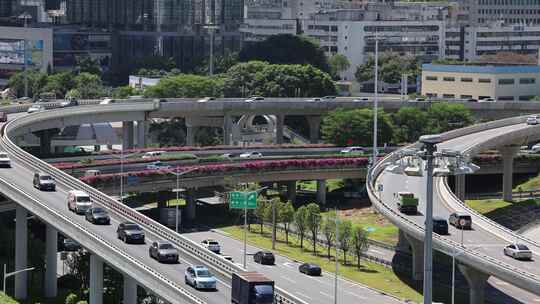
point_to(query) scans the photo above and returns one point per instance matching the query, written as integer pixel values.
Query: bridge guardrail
(471, 257)
(194, 249)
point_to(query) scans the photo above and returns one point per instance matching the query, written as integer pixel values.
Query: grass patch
(496, 208)
(531, 184)
(381, 228)
(370, 274)
(6, 300)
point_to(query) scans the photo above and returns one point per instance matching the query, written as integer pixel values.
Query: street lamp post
(25, 16)
(177, 190)
(336, 259)
(211, 28)
(375, 101)
(9, 274)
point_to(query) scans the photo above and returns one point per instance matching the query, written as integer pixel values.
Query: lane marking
(325, 294)
(356, 295)
(288, 279)
(303, 295)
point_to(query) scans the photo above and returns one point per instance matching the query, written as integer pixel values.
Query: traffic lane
(478, 238)
(286, 275)
(58, 200)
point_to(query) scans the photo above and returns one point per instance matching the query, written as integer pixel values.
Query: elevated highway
(481, 253)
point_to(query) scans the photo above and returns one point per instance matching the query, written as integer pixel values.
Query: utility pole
(375, 101)
(273, 224)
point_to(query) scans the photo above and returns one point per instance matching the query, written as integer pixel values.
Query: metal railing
(216, 262)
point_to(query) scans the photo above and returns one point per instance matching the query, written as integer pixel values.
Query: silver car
(518, 251)
(163, 251)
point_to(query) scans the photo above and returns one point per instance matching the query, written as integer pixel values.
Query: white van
(153, 154)
(78, 201)
(92, 172)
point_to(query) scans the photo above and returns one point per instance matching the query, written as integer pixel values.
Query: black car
(460, 220)
(130, 233)
(43, 181)
(163, 251)
(97, 215)
(440, 226)
(264, 257)
(70, 245)
(310, 269)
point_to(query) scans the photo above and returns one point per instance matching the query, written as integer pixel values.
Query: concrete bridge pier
(417, 248)
(508, 153)
(45, 138)
(314, 127)
(127, 135)
(280, 121)
(477, 283)
(96, 280)
(21, 252)
(291, 191)
(190, 134)
(460, 186)
(321, 192)
(130, 290)
(403, 243)
(191, 205)
(142, 133)
(51, 287)
(227, 129)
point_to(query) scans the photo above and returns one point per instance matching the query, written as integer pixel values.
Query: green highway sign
(241, 200)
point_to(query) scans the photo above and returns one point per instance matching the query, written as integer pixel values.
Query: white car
(251, 155)
(254, 98)
(518, 251)
(206, 99)
(4, 160)
(350, 150)
(533, 120)
(157, 165)
(153, 154)
(535, 148)
(211, 245)
(35, 108)
(361, 99)
(489, 99)
(314, 99)
(200, 277)
(107, 101)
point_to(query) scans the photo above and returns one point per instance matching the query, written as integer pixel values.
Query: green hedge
(6, 300)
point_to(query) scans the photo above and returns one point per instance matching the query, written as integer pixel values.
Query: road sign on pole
(241, 200)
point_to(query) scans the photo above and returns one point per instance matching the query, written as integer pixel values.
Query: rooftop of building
(481, 69)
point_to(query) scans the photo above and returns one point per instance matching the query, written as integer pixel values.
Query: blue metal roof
(487, 69)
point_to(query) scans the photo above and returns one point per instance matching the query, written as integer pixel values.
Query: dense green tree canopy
(446, 116)
(186, 85)
(89, 85)
(355, 127)
(391, 68)
(338, 64)
(286, 49)
(277, 80)
(410, 124)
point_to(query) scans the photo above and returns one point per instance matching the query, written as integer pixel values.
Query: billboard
(12, 52)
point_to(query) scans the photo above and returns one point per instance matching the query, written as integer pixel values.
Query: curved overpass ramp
(131, 260)
(481, 254)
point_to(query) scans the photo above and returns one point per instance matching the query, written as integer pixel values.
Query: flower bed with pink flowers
(258, 166)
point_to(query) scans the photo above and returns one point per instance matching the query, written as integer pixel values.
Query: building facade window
(431, 78)
(466, 79)
(431, 95)
(465, 96)
(506, 81)
(484, 80)
(449, 96)
(449, 79)
(526, 97)
(527, 80)
(506, 98)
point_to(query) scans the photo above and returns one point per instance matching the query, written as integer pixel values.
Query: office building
(483, 12)
(503, 83)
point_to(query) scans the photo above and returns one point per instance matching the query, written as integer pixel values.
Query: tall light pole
(9, 274)
(375, 100)
(337, 259)
(25, 16)
(177, 190)
(211, 28)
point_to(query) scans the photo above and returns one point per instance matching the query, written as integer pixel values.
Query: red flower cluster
(250, 166)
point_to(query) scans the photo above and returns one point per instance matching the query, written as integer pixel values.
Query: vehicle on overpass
(70, 102)
(35, 108)
(130, 233)
(460, 220)
(152, 154)
(264, 258)
(533, 120)
(3, 117)
(251, 288)
(4, 160)
(157, 165)
(211, 245)
(200, 277)
(78, 201)
(44, 181)
(518, 251)
(351, 150)
(251, 154)
(97, 215)
(407, 203)
(163, 251)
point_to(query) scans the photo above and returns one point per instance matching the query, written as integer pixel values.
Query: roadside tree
(359, 242)
(300, 217)
(313, 223)
(345, 232)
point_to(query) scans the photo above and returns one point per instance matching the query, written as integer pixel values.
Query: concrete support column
(291, 191)
(130, 290)
(477, 283)
(280, 121)
(417, 248)
(321, 192)
(227, 129)
(21, 253)
(142, 132)
(96, 280)
(507, 154)
(191, 206)
(45, 147)
(127, 135)
(403, 243)
(51, 289)
(460, 186)
(190, 135)
(314, 126)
